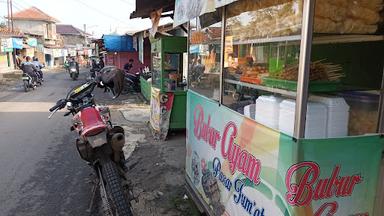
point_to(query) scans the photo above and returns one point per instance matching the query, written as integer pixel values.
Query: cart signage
(239, 167)
(161, 108)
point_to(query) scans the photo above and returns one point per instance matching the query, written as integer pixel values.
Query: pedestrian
(101, 63)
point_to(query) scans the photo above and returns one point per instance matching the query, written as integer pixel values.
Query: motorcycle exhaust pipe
(117, 142)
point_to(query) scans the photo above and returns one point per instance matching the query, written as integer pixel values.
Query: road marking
(25, 106)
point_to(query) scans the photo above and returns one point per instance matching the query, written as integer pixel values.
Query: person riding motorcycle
(29, 68)
(39, 66)
(67, 61)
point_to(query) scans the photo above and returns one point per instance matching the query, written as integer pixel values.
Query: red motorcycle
(100, 144)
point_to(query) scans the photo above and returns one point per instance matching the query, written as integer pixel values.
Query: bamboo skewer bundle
(319, 71)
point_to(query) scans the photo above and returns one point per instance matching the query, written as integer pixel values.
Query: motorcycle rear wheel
(114, 189)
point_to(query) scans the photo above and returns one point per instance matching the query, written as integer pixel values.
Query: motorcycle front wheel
(73, 76)
(115, 192)
(26, 86)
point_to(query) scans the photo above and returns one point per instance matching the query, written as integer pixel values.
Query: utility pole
(11, 14)
(11, 26)
(85, 34)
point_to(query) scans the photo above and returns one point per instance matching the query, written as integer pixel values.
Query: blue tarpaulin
(117, 43)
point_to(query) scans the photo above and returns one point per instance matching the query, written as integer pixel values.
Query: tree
(2, 24)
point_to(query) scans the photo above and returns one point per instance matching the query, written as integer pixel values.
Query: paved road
(40, 170)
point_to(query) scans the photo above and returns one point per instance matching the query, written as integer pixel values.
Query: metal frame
(188, 61)
(379, 207)
(222, 49)
(304, 64)
(380, 126)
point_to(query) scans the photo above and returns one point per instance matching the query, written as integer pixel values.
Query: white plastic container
(267, 112)
(316, 119)
(337, 115)
(250, 111)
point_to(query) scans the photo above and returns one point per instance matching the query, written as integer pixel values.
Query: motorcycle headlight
(73, 69)
(69, 105)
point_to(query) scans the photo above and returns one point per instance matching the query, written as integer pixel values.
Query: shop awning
(145, 7)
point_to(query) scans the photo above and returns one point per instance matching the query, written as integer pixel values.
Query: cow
(111, 78)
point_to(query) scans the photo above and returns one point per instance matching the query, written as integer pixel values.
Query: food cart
(285, 107)
(168, 91)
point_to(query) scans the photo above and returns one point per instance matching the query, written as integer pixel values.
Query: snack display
(269, 18)
(272, 18)
(251, 74)
(347, 17)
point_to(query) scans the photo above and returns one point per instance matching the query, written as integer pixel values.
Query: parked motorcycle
(28, 82)
(100, 144)
(132, 81)
(73, 70)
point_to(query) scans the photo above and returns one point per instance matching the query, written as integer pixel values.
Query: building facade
(36, 24)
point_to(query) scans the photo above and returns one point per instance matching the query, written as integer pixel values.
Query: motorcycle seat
(91, 121)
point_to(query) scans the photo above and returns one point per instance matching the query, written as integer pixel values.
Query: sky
(100, 16)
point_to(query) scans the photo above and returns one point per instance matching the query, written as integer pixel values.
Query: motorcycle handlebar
(58, 105)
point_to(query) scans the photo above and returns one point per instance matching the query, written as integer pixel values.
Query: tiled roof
(33, 13)
(6, 32)
(69, 30)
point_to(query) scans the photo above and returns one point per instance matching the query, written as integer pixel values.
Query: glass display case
(167, 64)
(168, 94)
(301, 92)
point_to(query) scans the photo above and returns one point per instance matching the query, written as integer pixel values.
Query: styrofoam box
(316, 119)
(250, 111)
(337, 115)
(267, 111)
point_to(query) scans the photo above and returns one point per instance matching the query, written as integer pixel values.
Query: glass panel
(173, 71)
(347, 69)
(156, 69)
(204, 55)
(262, 48)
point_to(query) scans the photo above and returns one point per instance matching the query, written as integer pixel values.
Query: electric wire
(100, 11)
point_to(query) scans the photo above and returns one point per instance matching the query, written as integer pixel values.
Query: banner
(239, 167)
(221, 3)
(161, 108)
(32, 42)
(6, 45)
(17, 43)
(57, 53)
(186, 10)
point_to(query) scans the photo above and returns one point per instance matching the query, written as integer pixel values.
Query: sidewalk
(156, 168)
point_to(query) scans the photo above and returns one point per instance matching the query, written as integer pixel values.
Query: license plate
(25, 78)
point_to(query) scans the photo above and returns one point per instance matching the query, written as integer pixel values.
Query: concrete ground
(41, 172)
(156, 168)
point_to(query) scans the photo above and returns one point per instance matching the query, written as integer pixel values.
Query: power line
(100, 11)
